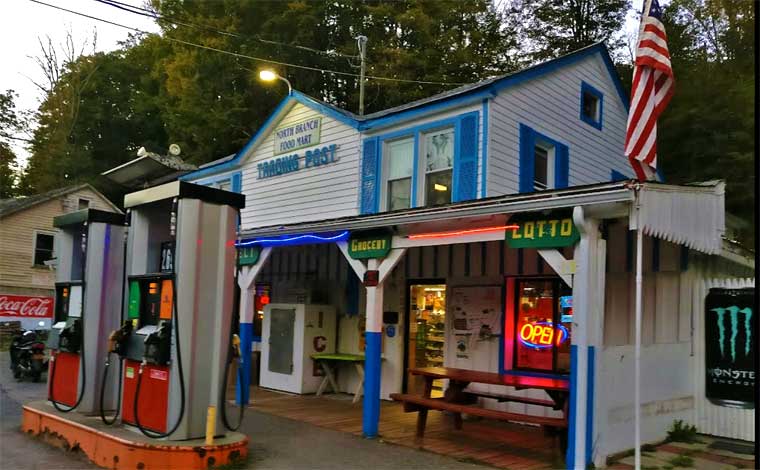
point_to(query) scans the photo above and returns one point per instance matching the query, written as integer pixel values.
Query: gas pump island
(175, 291)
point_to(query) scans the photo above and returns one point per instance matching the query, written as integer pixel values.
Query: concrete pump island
(138, 380)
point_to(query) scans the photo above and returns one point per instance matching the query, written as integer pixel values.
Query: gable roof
(16, 204)
(475, 91)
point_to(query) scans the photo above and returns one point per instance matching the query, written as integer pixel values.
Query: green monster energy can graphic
(729, 347)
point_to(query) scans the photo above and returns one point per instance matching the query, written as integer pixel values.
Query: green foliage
(552, 28)
(681, 461)
(707, 130)
(8, 172)
(682, 432)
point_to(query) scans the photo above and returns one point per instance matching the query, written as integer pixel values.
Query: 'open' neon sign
(543, 334)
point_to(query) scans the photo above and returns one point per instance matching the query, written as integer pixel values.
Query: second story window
(543, 173)
(43, 248)
(83, 204)
(399, 170)
(591, 105)
(439, 164)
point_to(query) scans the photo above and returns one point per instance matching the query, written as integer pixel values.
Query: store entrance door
(425, 345)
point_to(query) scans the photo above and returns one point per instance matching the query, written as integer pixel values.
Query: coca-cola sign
(26, 306)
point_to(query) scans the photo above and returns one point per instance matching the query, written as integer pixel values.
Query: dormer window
(591, 105)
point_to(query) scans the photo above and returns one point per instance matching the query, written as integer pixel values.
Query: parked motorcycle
(27, 356)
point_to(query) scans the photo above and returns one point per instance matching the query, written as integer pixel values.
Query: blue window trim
(587, 88)
(484, 150)
(561, 178)
(617, 176)
(415, 132)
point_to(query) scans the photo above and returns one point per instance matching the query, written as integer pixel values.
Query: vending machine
(179, 306)
(90, 253)
(291, 333)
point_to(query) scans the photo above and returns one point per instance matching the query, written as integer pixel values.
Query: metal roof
(148, 170)
(12, 205)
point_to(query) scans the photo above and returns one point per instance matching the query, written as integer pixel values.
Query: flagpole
(637, 354)
(639, 280)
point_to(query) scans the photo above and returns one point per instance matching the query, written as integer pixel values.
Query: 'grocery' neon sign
(541, 334)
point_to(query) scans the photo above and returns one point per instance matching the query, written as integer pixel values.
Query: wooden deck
(503, 445)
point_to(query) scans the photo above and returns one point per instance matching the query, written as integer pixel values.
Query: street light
(270, 76)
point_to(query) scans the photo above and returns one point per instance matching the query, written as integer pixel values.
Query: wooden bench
(422, 405)
(501, 398)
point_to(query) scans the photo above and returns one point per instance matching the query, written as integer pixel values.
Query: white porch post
(588, 295)
(246, 278)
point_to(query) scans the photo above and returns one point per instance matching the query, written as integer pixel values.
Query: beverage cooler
(291, 333)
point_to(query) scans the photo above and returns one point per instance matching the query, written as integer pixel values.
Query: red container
(66, 386)
(154, 395)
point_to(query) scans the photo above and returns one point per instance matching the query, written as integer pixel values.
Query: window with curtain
(399, 170)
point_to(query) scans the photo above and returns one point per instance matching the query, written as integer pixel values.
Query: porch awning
(687, 215)
(690, 215)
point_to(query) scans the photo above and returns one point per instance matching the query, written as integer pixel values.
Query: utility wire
(244, 56)
(179, 22)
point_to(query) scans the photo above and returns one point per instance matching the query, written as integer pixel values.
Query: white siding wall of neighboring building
(550, 104)
(314, 193)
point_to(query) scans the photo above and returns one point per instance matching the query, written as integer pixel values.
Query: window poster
(439, 150)
(729, 347)
(477, 311)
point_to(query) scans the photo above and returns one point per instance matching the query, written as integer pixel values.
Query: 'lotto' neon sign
(541, 334)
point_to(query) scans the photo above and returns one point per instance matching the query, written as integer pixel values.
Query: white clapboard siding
(314, 193)
(712, 419)
(551, 105)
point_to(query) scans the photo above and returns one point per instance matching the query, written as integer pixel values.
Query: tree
(8, 172)
(707, 130)
(14, 125)
(551, 28)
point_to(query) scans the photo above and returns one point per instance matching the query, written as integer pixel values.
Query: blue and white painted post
(246, 280)
(588, 305)
(372, 359)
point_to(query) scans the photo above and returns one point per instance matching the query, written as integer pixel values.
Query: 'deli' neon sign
(541, 334)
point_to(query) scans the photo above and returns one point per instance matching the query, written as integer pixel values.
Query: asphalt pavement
(275, 443)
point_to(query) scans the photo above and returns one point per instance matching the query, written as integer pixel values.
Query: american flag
(652, 89)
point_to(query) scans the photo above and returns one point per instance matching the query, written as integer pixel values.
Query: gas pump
(84, 309)
(179, 303)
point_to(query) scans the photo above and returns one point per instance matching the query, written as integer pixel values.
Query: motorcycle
(27, 356)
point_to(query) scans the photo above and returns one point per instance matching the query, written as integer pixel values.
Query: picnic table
(457, 399)
(328, 361)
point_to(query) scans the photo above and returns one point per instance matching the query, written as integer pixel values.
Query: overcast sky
(22, 22)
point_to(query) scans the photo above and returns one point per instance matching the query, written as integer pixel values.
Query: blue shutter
(527, 157)
(370, 175)
(561, 166)
(466, 159)
(237, 186)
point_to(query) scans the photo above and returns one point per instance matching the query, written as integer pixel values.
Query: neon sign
(296, 239)
(541, 334)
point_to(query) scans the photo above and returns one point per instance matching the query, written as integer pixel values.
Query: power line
(244, 56)
(179, 22)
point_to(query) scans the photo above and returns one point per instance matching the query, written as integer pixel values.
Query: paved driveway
(276, 443)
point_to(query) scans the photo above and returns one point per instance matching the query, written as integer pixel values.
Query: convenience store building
(492, 226)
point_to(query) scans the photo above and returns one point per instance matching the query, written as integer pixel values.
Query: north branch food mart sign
(297, 136)
(537, 230)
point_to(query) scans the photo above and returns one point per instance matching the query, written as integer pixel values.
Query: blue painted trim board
(484, 153)
(590, 404)
(371, 403)
(617, 176)
(570, 457)
(587, 88)
(243, 383)
(528, 138)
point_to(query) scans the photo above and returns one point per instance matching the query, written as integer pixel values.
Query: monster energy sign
(729, 347)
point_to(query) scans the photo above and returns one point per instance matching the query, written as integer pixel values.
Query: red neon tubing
(462, 232)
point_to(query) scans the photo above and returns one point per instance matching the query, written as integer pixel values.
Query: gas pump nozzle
(158, 344)
(70, 338)
(118, 338)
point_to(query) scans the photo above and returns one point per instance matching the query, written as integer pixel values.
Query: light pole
(270, 76)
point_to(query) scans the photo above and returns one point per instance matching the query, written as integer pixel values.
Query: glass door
(426, 333)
